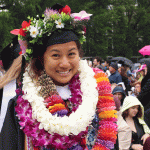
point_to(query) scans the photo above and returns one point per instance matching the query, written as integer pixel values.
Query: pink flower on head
(23, 46)
(1, 63)
(82, 15)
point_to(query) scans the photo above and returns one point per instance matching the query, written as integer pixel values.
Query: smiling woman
(61, 62)
(62, 101)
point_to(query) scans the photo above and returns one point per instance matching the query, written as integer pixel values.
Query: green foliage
(119, 31)
(6, 23)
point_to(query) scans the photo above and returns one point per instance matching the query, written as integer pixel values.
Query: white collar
(64, 91)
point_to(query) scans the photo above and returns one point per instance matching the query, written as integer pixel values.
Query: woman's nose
(64, 62)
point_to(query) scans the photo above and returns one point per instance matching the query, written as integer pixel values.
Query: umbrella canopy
(143, 60)
(145, 50)
(123, 60)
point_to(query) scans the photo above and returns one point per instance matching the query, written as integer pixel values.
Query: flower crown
(37, 28)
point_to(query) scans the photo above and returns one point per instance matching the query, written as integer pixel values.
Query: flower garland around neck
(48, 128)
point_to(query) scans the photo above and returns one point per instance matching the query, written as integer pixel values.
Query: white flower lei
(78, 120)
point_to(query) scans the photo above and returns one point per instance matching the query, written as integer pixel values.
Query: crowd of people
(130, 89)
(51, 99)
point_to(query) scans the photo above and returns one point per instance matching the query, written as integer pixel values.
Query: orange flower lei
(107, 130)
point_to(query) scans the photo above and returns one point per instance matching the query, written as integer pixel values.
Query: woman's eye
(71, 54)
(55, 55)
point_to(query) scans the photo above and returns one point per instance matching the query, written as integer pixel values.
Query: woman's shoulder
(122, 125)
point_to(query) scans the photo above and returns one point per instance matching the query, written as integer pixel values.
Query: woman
(124, 131)
(8, 85)
(62, 99)
(133, 113)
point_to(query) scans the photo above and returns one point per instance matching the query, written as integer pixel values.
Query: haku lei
(64, 132)
(38, 28)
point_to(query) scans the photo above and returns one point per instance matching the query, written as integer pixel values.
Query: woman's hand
(144, 137)
(137, 147)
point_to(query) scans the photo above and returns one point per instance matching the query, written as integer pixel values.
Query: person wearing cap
(133, 113)
(8, 85)
(120, 93)
(59, 101)
(115, 77)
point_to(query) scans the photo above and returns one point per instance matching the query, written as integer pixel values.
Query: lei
(66, 131)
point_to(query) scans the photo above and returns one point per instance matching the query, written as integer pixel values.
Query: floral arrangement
(60, 129)
(36, 29)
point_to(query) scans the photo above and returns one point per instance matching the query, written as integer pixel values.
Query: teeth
(64, 72)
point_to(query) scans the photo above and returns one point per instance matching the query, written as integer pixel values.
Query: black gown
(11, 137)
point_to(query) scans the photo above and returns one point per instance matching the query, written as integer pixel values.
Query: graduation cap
(10, 52)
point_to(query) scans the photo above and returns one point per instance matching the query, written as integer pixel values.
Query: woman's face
(132, 111)
(119, 95)
(61, 62)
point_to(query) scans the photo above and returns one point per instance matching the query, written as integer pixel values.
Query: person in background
(120, 93)
(124, 132)
(144, 95)
(115, 77)
(97, 63)
(125, 79)
(139, 75)
(137, 89)
(142, 71)
(133, 113)
(107, 64)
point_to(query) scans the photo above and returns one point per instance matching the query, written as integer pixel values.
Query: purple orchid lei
(40, 137)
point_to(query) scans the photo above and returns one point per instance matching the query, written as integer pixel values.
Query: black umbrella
(123, 61)
(143, 60)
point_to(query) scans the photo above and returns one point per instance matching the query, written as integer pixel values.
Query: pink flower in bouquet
(82, 15)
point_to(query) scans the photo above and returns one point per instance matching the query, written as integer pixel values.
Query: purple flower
(61, 113)
(48, 12)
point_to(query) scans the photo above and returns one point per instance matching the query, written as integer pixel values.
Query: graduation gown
(11, 137)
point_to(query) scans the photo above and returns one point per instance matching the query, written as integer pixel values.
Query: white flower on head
(59, 24)
(33, 31)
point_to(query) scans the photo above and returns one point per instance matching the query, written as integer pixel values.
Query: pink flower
(82, 15)
(23, 46)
